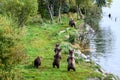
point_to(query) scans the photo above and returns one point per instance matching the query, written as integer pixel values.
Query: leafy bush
(65, 47)
(93, 17)
(79, 60)
(19, 10)
(72, 36)
(109, 77)
(65, 8)
(73, 9)
(42, 9)
(11, 49)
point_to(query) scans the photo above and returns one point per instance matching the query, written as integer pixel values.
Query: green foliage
(101, 3)
(53, 6)
(73, 9)
(42, 9)
(85, 3)
(65, 47)
(19, 10)
(11, 50)
(93, 16)
(65, 8)
(36, 19)
(79, 60)
(57, 4)
(109, 77)
(72, 36)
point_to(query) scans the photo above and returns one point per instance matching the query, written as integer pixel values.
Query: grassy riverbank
(40, 40)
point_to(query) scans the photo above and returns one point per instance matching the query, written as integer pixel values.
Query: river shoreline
(87, 58)
(106, 75)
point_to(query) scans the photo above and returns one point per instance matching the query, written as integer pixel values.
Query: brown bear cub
(56, 48)
(37, 62)
(71, 53)
(72, 23)
(57, 58)
(71, 60)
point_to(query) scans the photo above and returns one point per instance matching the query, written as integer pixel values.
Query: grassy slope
(40, 41)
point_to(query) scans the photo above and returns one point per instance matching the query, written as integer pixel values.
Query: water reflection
(106, 44)
(102, 44)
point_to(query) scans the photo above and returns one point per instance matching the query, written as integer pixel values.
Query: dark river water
(106, 44)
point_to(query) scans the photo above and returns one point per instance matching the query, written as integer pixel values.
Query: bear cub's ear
(57, 45)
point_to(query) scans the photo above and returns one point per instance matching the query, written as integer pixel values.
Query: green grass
(40, 41)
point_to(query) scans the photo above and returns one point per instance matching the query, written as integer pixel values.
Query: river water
(106, 43)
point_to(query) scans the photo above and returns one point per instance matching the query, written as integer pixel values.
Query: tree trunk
(59, 16)
(79, 13)
(70, 1)
(51, 15)
(85, 18)
(50, 11)
(59, 11)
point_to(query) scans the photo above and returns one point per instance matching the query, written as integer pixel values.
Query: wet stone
(93, 79)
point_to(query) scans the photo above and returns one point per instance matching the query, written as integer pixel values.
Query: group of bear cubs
(57, 58)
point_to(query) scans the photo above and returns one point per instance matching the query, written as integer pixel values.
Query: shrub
(65, 47)
(72, 36)
(73, 9)
(79, 60)
(11, 48)
(19, 10)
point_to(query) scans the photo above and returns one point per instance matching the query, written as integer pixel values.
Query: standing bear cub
(57, 47)
(57, 58)
(37, 62)
(72, 23)
(71, 60)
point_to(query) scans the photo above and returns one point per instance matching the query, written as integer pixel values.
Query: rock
(87, 60)
(80, 55)
(67, 29)
(67, 36)
(61, 32)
